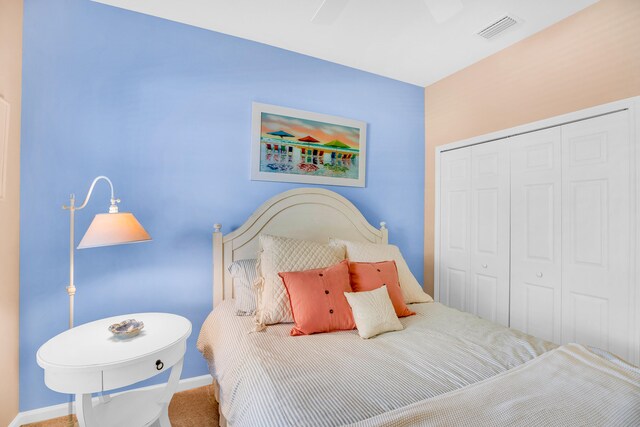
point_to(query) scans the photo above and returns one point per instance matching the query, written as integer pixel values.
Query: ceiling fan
(441, 10)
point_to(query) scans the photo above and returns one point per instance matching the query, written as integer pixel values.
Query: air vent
(497, 27)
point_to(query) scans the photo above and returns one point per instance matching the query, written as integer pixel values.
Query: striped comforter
(272, 379)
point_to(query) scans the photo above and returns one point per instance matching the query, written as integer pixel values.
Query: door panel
(487, 205)
(535, 301)
(486, 297)
(596, 215)
(539, 218)
(458, 220)
(540, 316)
(590, 320)
(488, 294)
(456, 287)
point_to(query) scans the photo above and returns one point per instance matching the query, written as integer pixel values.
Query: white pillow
(244, 273)
(372, 252)
(282, 254)
(373, 312)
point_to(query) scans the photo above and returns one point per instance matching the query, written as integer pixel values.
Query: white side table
(89, 359)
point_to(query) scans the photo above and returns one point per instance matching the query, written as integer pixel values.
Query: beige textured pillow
(373, 312)
(282, 254)
(372, 252)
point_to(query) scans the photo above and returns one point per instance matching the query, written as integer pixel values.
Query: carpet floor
(191, 408)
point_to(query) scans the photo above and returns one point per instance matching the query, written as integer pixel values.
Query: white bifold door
(536, 270)
(571, 228)
(455, 202)
(597, 212)
(474, 266)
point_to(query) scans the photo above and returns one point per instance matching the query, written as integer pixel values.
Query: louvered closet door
(596, 233)
(455, 202)
(489, 267)
(536, 233)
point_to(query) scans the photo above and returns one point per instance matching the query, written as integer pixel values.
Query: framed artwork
(299, 146)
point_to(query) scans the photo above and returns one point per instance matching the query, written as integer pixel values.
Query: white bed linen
(568, 386)
(269, 378)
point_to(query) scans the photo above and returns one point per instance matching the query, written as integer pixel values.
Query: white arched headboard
(304, 213)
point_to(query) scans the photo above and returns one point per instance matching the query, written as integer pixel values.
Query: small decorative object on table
(127, 328)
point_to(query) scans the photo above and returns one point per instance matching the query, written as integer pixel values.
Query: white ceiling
(394, 38)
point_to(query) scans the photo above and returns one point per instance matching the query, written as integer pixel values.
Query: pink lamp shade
(113, 229)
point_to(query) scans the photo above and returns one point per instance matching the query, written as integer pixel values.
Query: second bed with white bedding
(270, 378)
(569, 386)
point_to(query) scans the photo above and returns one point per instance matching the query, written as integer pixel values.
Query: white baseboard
(60, 410)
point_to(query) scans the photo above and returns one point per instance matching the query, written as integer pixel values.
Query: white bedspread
(272, 379)
(568, 386)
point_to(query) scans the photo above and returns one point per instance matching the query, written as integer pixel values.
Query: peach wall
(10, 89)
(587, 59)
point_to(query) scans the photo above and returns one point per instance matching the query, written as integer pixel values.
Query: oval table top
(92, 345)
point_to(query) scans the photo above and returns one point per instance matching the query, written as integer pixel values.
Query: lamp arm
(114, 202)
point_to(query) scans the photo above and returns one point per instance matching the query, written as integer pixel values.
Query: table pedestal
(132, 408)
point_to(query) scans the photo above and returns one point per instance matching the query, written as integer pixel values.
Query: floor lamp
(107, 229)
(113, 228)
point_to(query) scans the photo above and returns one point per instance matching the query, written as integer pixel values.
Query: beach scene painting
(300, 146)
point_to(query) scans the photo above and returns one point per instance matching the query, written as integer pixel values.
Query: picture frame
(289, 145)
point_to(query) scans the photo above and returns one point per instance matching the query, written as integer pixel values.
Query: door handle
(484, 266)
(539, 274)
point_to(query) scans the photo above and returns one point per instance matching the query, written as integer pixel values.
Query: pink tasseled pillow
(317, 299)
(367, 276)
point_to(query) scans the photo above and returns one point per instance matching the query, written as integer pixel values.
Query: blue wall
(164, 110)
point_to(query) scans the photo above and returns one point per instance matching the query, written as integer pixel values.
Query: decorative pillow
(373, 312)
(372, 252)
(317, 299)
(244, 273)
(367, 276)
(282, 254)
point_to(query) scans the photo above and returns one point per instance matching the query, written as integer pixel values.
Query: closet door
(596, 236)
(489, 266)
(536, 234)
(455, 202)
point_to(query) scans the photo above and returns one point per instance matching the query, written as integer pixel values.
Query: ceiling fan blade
(329, 11)
(442, 10)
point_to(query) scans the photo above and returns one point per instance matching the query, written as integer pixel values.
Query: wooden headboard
(304, 213)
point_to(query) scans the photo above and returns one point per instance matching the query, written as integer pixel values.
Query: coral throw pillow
(317, 299)
(367, 276)
(376, 252)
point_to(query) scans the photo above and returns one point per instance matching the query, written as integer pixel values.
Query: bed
(445, 367)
